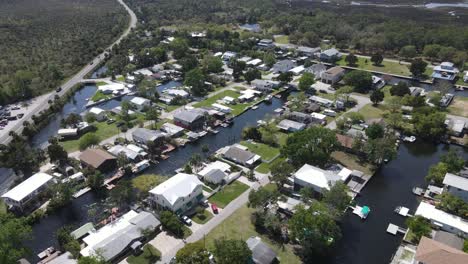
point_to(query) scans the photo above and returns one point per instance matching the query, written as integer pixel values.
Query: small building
(297, 70)
(445, 71)
(131, 155)
(321, 101)
(298, 117)
(229, 100)
(144, 135)
(24, 193)
(143, 72)
(221, 108)
(228, 55)
(283, 66)
(330, 55)
(254, 62)
(346, 142)
(172, 130)
(448, 239)
(177, 194)
(240, 155)
(265, 86)
(377, 82)
(266, 43)
(98, 112)
(456, 185)
(215, 172)
(333, 75)
(443, 220)
(446, 100)
(430, 251)
(307, 51)
(261, 253)
(140, 102)
(120, 236)
(316, 70)
(290, 125)
(316, 178)
(417, 91)
(191, 119)
(67, 132)
(98, 159)
(318, 118)
(177, 92)
(251, 27)
(456, 127)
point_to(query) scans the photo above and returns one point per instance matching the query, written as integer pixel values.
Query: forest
(44, 42)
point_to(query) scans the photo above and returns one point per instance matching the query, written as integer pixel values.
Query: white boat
(409, 139)
(362, 212)
(141, 166)
(255, 107)
(268, 97)
(279, 110)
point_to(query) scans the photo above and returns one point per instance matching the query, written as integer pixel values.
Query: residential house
(430, 251)
(144, 135)
(319, 119)
(131, 155)
(312, 107)
(141, 151)
(346, 142)
(248, 95)
(215, 172)
(140, 103)
(177, 92)
(377, 82)
(456, 127)
(240, 155)
(283, 66)
(98, 159)
(254, 63)
(297, 70)
(443, 220)
(417, 91)
(318, 179)
(99, 113)
(333, 75)
(445, 71)
(118, 237)
(446, 100)
(316, 70)
(307, 51)
(290, 125)
(177, 194)
(189, 119)
(298, 117)
(221, 108)
(321, 101)
(330, 55)
(228, 55)
(265, 86)
(456, 185)
(229, 100)
(448, 239)
(265, 43)
(143, 72)
(24, 193)
(172, 130)
(261, 252)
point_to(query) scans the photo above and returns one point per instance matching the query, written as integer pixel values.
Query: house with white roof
(254, 62)
(297, 70)
(222, 108)
(177, 92)
(111, 88)
(98, 112)
(177, 194)
(290, 125)
(456, 185)
(28, 190)
(445, 71)
(215, 172)
(445, 221)
(129, 154)
(140, 102)
(172, 130)
(318, 179)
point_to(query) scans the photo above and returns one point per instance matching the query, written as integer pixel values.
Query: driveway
(361, 102)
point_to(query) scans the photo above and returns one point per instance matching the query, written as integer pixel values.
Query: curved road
(41, 102)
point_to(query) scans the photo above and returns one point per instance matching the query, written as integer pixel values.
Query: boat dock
(81, 192)
(108, 182)
(394, 229)
(362, 212)
(403, 211)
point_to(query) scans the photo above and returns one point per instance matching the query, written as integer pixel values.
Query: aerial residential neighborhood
(235, 132)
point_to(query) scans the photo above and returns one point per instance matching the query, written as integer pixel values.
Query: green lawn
(121, 78)
(352, 162)
(370, 112)
(228, 193)
(146, 182)
(150, 255)
(239, 226)
(263, 168)
(103, 131)
(265, 151)
(100, 96)
(203, 217)
(387, 66)
(101, 83)
(3, 208)
(282, 39)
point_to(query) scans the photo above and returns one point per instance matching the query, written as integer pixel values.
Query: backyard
(267, 152)
(149, 255)
(103, 131)
(387, 66)
(146, 182)
(228, 194)
(352, 162)
(459, 106)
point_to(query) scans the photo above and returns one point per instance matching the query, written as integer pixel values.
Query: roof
(171, 128)
(217, 165)
(287, 124)
(147, 134)
(95, 157)
(346, 141)
(448, 239)
(297, 69)
(117, 149)
(96, 110)
(316, 176)
(331, 52)
(316, 68)
(65, 258)
(82, 230)
(261, 253)
(180, 185)
(456, 181)
(187, 115)
(318, 116)
(429, 211)
(239, 155)
(139, 100)
(28, 186)
(308, 49)
(432, 252)
(283, 66)
(335, 70)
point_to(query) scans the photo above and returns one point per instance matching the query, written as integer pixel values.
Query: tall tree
(377, 59)
(13, 233)
(361, 81)
(232, 251)
(418, 67)
(280, 171)
(377, 96)
(306, 80)
(408, 52)
(56, 152)
(195, 79)
(337, 197)
(193, 253)
(351, 59)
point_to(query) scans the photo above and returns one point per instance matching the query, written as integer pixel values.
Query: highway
(40, 103)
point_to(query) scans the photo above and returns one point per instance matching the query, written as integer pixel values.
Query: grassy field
(238, 226)
(150, 255)
(459, 106)
(282, 39)
(265, 151)
(352, 162)
(100, 96)
(146, 182)
(263, 168)
(203, 217)
(369, 111)
(387, 66)
(228, 193)
(103, 131)
(121, 78)
(3, 208)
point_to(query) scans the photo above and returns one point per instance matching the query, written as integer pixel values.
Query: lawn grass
(101, 83)
(103, 131)
(187, 231)
(146, 182)
(149, 255)
(3, 207)
(121, 78)
(387, 66)
(207, 189)
(263, 168)
(202, 217)
(100, 96)
(228, 193)
(282, 39)
(370, 111)
(459, 106)
(239, 226)
(265, 151)
(352, 162)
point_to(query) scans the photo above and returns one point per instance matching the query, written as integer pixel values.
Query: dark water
(367, 241)
(168, 85)
(98, 72)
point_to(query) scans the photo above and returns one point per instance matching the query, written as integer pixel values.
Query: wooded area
(43, 42)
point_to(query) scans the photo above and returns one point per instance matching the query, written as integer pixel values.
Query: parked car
(204, 203)
(58, 89)
(15, 107)
(214, 208)
(20, 115)
(187, 220)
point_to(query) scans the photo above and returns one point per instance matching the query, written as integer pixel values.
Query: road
(40, 103)
(361, 102)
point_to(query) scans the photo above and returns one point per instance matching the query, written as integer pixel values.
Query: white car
(187, 220)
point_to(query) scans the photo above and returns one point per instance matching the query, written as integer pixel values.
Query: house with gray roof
(330, 55)
(307, 51)
(261, 252)
(264, 85)
(316, 70)
(189, 119)
(283, 66)
(456, 185)
(144, 135)
(240, 155)
(290, 125)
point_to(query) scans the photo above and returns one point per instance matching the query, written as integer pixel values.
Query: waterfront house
(318, 179)
(172, 130)
(265, 86)
(333, 75)
(266, 43)
(377, 82)
(290, 125)
(297, 70)
(228, 55)
(446, 100)
(118, 237)
(283, 66)
(229, 100)
(67, 132)
(240, 155)
(131, 155)
(430, 251)
(98, 159)
(298, 117)
(346, 142)
(261, 252)
(254, 63)
(189, 119)
(456, 185)
(321, 101)
(177, 92)
(215, 172)
(177, 194)
(465, 77)
(448, 239)
(307, 51)
(144, 135)
(140, 103)
(443, 220)
(330, 55)
(456, 127)
(99, 113)
(445, 71)
(27, 191)
(316, 70)
(221, 108)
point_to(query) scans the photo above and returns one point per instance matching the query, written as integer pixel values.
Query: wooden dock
(394, 229)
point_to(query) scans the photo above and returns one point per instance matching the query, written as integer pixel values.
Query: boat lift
(362, 212)
(394, 229)
(403, 211)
